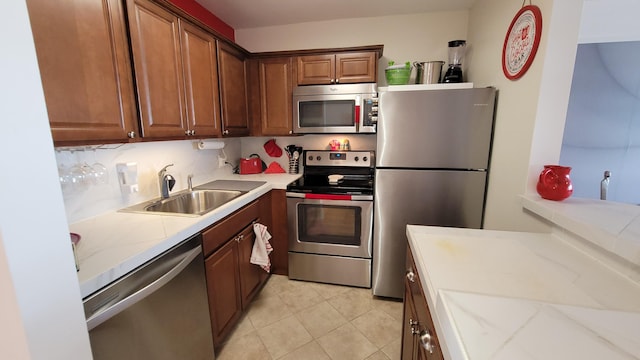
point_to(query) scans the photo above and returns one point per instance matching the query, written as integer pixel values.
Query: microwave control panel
(369, 114)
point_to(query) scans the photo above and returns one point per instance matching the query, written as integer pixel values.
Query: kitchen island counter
(512, 295)
(117, 242)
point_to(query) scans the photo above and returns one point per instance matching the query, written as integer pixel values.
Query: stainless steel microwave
(339, 108)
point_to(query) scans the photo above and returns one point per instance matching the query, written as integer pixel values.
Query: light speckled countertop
(513, 295)
(115, 243)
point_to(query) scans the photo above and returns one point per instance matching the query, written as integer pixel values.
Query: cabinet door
(251, 276)
(409, 341)
(84, 64)
(276, 96)
(233, 89)
(223, 287)
(426, 346)
(316, 69)
(155, 42)
(279, 232)
(201, 80)
(356, 67)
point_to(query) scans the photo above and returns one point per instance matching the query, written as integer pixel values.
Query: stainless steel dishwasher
(158, 311)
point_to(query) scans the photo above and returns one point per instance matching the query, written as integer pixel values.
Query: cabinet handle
(413, 324)
(193, 132)
(187, 132)
(427, 341)
(337, 81)
(411, 276)
(131, 134)
(226, 132)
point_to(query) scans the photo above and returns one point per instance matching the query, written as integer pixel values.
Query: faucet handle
(170, 180)
(190, 182)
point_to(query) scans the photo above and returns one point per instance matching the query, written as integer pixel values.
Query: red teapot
(554, 183)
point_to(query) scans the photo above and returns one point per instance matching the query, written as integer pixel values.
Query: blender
(457, 50)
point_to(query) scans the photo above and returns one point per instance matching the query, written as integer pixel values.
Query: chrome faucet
(190, 182)
(166, 182)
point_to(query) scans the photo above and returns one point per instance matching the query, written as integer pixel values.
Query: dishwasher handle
(108, 312)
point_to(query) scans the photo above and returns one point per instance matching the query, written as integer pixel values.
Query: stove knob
(310, 158)
(318, 158)
(364, 159)
(356, 158)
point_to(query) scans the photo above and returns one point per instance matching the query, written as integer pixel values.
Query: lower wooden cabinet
(419, 339)
(223, 287)
(280, 233)
(232, 281)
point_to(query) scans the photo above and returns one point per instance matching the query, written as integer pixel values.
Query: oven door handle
(346, 197)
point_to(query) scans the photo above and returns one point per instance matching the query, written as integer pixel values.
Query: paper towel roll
(210, 145)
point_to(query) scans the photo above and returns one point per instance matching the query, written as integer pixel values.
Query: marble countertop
(513, 295)
(115, 243)
(611, 226)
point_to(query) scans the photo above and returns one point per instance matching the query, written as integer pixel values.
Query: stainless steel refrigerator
(432, 162)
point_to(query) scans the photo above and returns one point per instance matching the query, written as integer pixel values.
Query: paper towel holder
(209, 145)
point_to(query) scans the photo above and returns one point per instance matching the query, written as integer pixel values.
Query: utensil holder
(293, 166)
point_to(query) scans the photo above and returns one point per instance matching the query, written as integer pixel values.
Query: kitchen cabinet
(233, 90)
(176, 73)
(338, 68)
(232, 281)
(419, 339)
(279, 232)
(200, 64)
(276, 85)
(83, 56)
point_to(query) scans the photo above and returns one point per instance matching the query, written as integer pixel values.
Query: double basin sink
(199, 201)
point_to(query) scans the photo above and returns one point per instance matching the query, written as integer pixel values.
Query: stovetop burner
(356, 168)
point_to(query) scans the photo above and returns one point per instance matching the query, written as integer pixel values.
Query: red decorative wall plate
(521, 42)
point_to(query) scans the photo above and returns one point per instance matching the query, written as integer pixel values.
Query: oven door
(330, 227)
(326, 113)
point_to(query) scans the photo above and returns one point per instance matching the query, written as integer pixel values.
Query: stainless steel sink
(193, 203)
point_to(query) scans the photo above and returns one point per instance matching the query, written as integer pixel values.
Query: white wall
(43, 291)
(418, 37)
(610, 21)
(530, 111)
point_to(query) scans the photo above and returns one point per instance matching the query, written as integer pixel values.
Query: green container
(398, 76)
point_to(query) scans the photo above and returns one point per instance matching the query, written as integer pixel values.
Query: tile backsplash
(88, 201)
(96, 199)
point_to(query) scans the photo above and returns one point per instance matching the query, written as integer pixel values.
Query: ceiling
(244, 14)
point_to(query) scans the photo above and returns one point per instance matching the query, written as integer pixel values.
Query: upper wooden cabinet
(233, 90)
(83, 56)
(176, 73)
(338, 68)
(201, 80)
(276, 84)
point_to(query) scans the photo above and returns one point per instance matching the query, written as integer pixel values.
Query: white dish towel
(261, 247)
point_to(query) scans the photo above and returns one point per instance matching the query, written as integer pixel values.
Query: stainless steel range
(330, 216)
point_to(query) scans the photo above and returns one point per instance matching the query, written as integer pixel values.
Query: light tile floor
(298, 320)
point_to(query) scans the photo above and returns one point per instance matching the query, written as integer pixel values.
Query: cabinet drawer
(218, 234)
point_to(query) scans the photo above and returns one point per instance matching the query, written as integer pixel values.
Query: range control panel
(339, 158)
